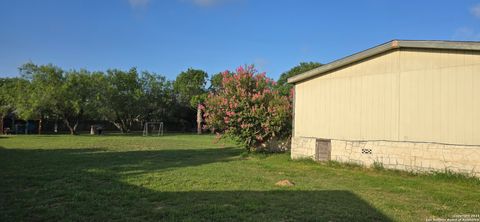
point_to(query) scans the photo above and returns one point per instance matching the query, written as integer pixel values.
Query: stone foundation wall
(303, 147)
(409, 156)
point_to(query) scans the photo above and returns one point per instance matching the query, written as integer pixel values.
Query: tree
(52, 92)
(122, 98)
(7, 98)
(248, 109)
(41, 95)
(216, 81)
(79, 96)
(156, 97)
(283, 86)
(190, 89)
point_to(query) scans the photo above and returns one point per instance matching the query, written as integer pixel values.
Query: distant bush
(248, 109)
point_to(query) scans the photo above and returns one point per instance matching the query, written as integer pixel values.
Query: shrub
(248, 109)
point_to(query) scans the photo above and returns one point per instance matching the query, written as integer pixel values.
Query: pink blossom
(246, 101)
(240, 69)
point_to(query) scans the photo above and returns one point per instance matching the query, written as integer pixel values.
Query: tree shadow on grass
(86, 185)
(278, 205)
(120, 161)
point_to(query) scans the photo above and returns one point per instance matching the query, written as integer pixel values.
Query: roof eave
(395, 44)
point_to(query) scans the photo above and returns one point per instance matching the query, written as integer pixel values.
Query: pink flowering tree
(248, 109)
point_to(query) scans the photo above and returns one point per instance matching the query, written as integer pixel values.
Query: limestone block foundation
(409, 156)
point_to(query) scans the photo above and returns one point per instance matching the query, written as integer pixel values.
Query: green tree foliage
(216, 81)
(131, 98)
(53, 93)
(157, 97)
(283, 86)
(40, 96)
(80, 95)
(128, 99)
(190, 89)
(189, 85)
(7, 98)
(123, 98)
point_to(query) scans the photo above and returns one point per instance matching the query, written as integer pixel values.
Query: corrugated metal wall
(402, 95)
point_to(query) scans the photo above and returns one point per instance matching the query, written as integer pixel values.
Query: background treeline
(49, 96)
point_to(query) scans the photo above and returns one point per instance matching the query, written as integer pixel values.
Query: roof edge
(394, 44)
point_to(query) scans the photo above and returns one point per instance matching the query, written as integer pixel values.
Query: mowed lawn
(192, 178)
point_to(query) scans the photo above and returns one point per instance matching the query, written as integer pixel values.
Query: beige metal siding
(401, 95)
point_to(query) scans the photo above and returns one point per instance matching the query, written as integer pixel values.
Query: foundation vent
(366, 151)
(323, 150)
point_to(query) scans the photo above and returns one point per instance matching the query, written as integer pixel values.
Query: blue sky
(168, 36)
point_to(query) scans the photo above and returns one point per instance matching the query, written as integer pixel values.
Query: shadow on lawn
(85, 185)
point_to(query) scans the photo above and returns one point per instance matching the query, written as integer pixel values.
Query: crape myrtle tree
(248, 108)
(283, 86)
(189, 87)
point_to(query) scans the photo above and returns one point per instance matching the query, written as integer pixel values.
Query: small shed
(408, 105)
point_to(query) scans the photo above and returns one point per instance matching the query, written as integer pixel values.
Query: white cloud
(475, 10)
(466, 34)
(138, 3)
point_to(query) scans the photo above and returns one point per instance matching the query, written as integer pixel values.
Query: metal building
(410, 105)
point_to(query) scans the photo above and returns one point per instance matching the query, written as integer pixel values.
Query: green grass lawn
(191, 178)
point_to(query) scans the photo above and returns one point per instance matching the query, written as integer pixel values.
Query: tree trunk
(72, 129)
(123, 125)
(40, 126)
(55, 127)
(118, 125)
(75, 127)
(199, 120)
(1, 124)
